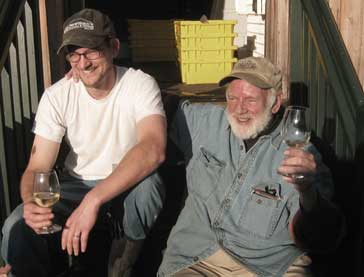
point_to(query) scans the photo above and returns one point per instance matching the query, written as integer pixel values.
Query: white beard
(253, 129)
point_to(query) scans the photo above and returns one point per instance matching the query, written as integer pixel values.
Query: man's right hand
(37, 217)
(72, 73)
(4, 270)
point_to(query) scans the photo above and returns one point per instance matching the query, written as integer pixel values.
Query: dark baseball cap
(258, 71)
(87, 28)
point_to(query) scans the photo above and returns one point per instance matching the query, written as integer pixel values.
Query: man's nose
(242, 106)
(83, 62)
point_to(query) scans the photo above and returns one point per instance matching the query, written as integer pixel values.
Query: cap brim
(82, 41)
(252, 79)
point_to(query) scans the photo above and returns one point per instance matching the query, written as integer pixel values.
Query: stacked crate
(205, 50)
(152, 40)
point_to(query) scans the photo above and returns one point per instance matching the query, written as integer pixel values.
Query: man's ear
(277, 104)
(115, 46)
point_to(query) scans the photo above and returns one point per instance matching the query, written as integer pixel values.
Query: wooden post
(349, 16)
(44, 43)
(277, 37)
(55, 12)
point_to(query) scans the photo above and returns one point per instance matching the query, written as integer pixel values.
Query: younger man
(114, 123)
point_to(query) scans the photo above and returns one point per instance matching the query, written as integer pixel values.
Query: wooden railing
(320, 60)
(20, 78)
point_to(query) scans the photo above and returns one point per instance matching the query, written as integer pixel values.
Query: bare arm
(42, 158)
(140, 161)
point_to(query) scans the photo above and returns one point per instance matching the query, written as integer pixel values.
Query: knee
(150, 190)
(142, 207)
(12, 220)
(13, 225)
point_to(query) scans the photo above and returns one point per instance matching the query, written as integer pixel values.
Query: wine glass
(46, 193)
(296, 130)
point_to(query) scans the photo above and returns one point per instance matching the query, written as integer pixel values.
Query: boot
(116, 251)
(121, 265)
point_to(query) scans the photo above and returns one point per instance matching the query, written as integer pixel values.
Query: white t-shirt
(99, 132)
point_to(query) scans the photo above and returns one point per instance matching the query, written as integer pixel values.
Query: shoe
(123, 255)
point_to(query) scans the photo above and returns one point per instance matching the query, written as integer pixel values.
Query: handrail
(8, 9)
(319, 57)
(328, 35)
(321, 60)
(19, 83)
(345, 82)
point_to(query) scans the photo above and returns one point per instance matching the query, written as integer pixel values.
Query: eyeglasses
(75, 57)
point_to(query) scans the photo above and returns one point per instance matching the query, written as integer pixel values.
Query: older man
(242, 217)
(113, 121)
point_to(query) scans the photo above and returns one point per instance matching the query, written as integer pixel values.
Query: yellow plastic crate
(206, 55)
(205, 42)
(195, 35)
(205, 72)
(212, 28)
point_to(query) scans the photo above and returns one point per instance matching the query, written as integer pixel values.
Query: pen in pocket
(265, 194)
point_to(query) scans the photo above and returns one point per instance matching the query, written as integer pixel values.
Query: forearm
(42, 158)
(138, 163)
(319, 225)
(26, 186)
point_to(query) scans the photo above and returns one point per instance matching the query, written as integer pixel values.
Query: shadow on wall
(247, 50)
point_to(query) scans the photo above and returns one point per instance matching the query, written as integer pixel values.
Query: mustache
(241, 116)
(87, 67)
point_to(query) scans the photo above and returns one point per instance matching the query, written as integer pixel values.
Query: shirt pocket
(262, 212)
(204, 174)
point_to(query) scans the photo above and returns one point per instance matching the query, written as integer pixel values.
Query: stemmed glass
(46, 193)
(296, 130)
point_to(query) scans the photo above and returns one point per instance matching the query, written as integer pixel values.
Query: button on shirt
(222, 209)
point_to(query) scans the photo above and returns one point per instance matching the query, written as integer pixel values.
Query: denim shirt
(222, 209)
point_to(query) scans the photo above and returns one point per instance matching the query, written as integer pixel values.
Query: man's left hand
(78, 226)
(298, 162)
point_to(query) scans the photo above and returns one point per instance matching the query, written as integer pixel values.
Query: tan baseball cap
(87, 28)
(258, 71)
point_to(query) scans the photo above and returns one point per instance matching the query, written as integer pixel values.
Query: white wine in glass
(296, 129)
(46, 193)
(46, 199)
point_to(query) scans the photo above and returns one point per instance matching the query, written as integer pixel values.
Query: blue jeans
(27, 252)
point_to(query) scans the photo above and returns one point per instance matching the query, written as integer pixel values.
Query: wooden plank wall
(57, 12)
(349, 15)
(55, 18)
(256, 28)
(277, 37)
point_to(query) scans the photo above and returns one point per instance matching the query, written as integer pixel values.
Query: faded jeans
(27, 252)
